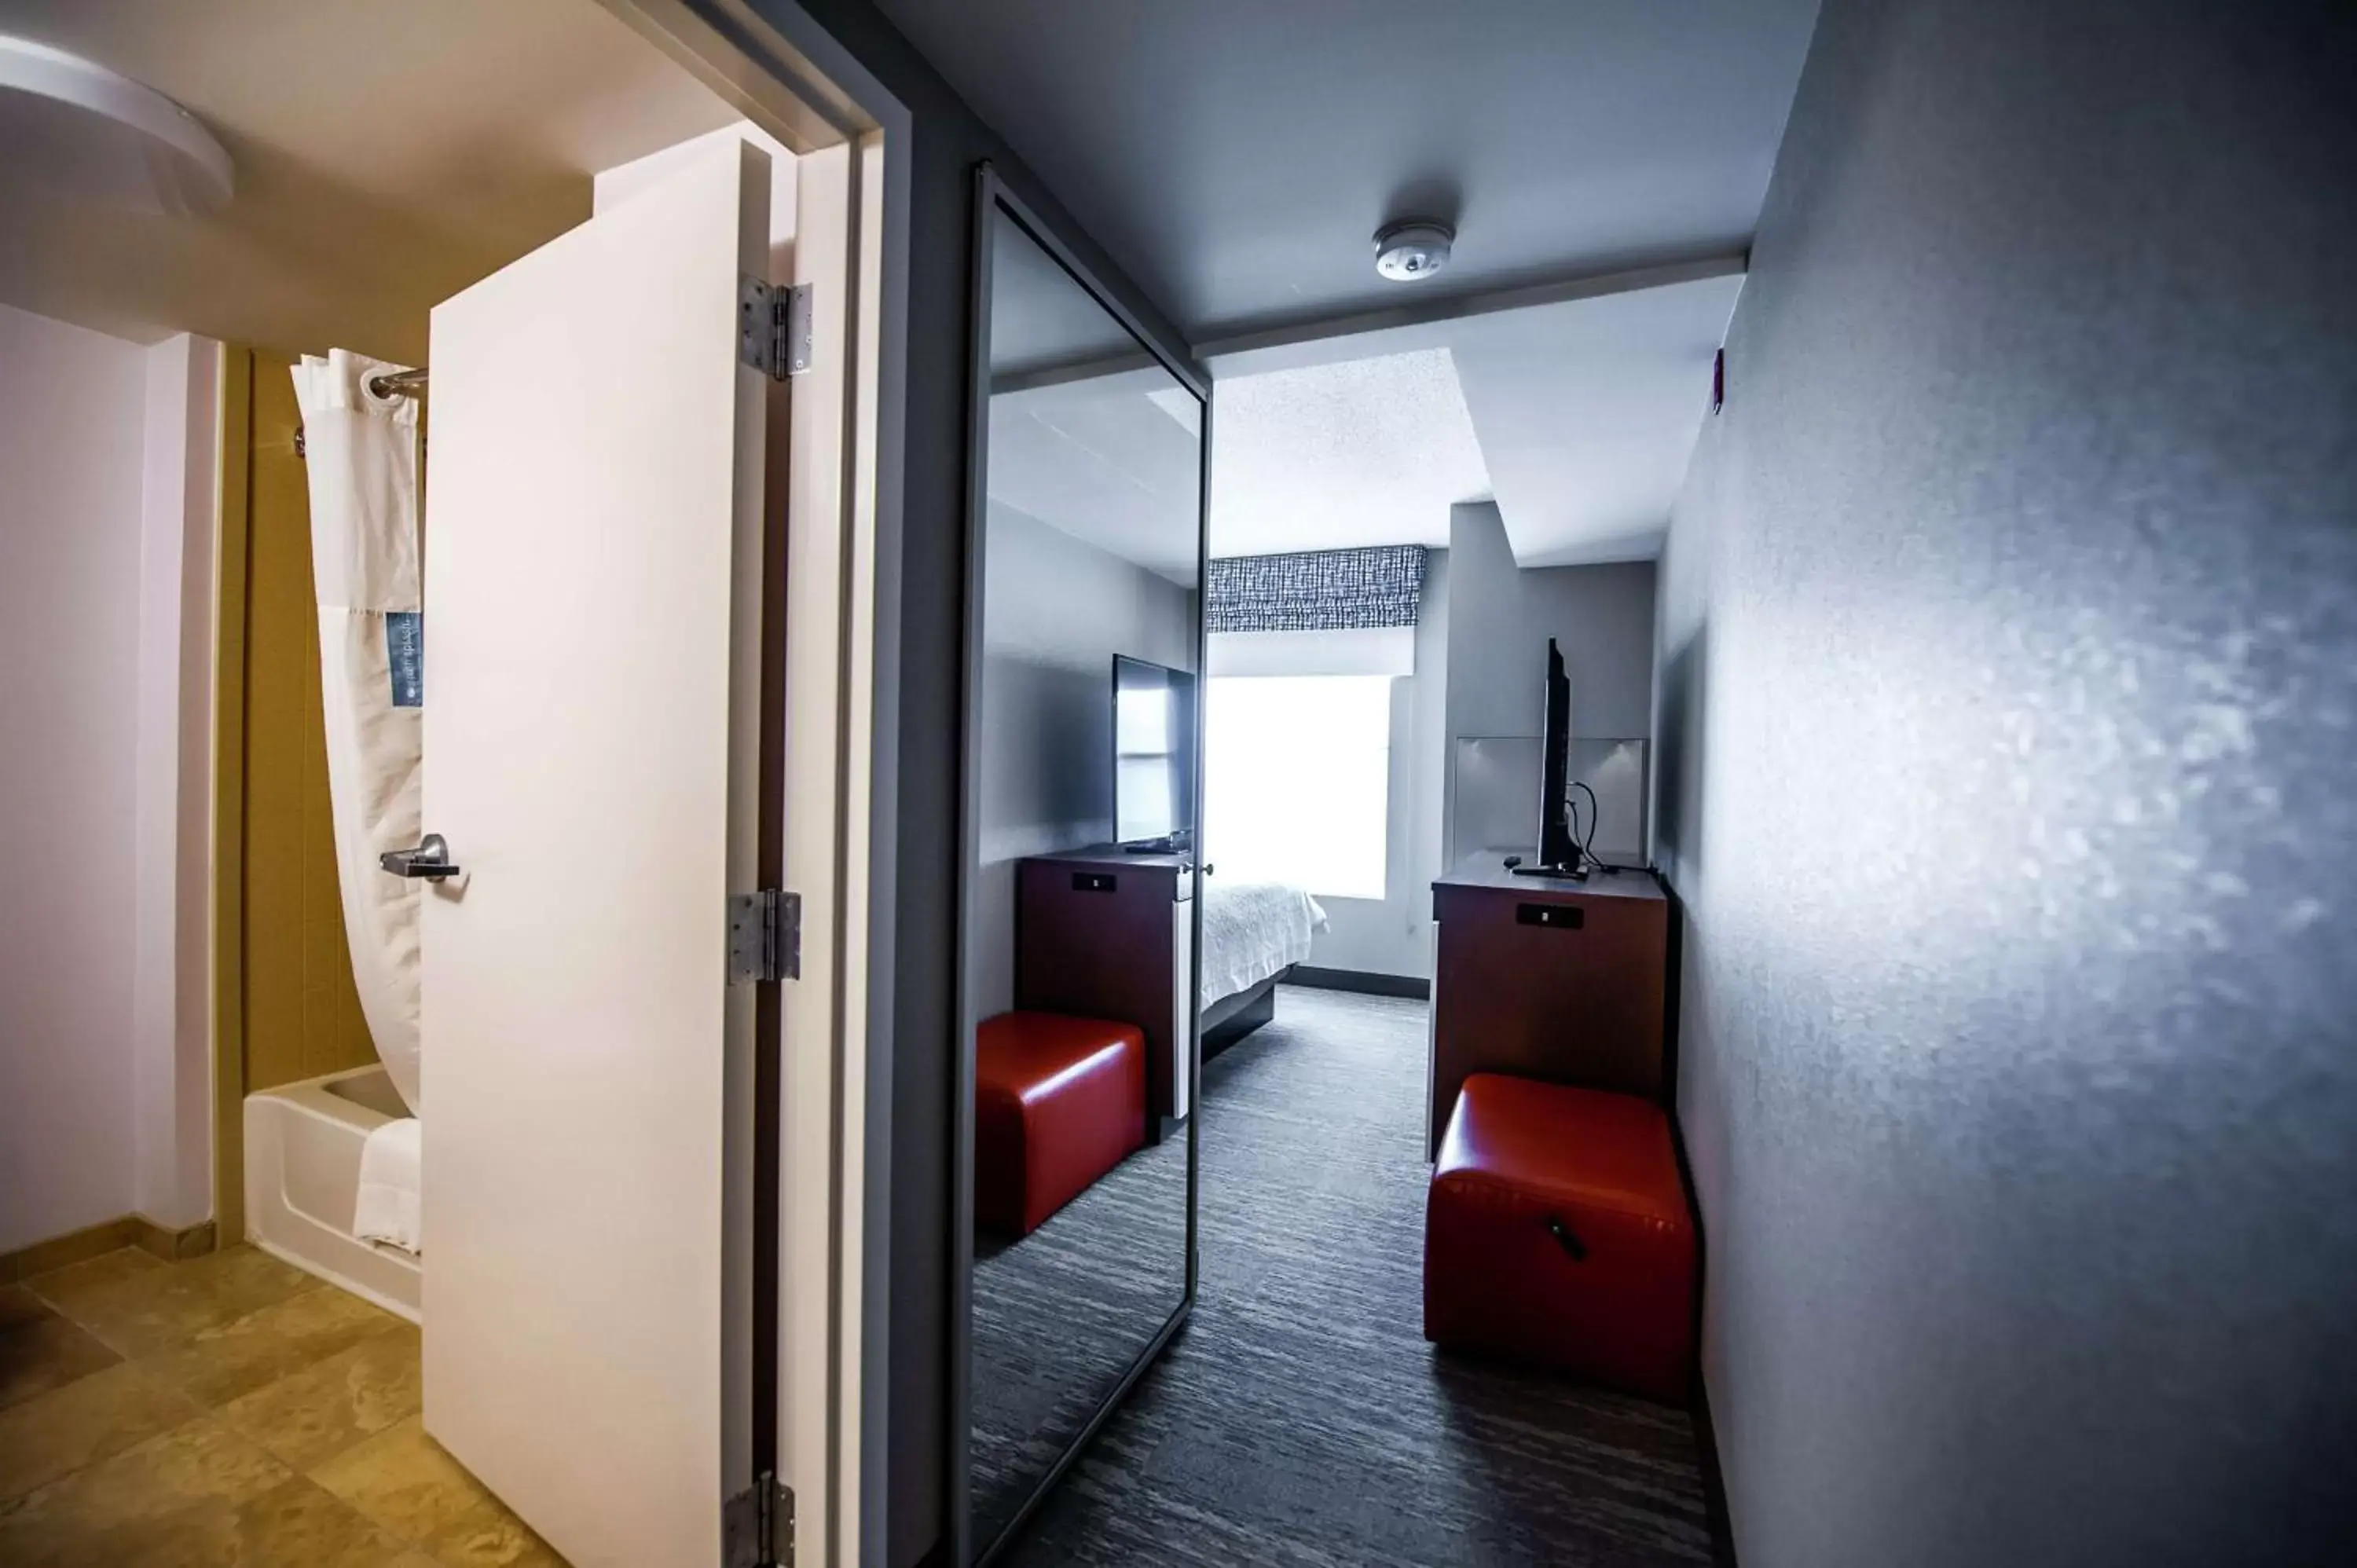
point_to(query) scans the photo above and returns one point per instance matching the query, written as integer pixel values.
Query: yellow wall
(301, 1014)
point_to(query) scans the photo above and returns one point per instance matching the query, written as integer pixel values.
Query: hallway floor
(1301, 1418)
(228, 1410)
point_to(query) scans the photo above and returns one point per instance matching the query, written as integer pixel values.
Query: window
(1297, 780)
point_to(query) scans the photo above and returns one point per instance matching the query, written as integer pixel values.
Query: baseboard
(1364, 981)
(1714, 1482)
(175, 1246)
(108, 1236)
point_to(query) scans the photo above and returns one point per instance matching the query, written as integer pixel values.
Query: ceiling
(1042, 321)
(1088, 433)
(1235, 157)
(1583, 413)
(1588, 414)
(1356, 451)
(1112, 459)
(387, 155)
(1576, 417)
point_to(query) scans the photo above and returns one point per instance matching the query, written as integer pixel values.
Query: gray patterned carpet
(1060, 1315)
(1301, 1418)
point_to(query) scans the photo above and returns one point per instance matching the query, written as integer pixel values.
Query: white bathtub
(302, 1177)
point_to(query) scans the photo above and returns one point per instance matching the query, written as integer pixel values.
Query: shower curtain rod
(399, 383)
(392, 383)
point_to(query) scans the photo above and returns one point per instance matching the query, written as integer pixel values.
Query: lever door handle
(430, 860)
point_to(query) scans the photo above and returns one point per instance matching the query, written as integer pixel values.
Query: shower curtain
(361, 453)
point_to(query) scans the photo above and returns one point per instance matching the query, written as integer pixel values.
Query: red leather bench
(1557, 1232)
(1058, 1103)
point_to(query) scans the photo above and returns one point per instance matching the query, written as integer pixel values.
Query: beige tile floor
(228, 1410)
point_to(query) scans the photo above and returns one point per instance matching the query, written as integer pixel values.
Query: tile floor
(228, 1410)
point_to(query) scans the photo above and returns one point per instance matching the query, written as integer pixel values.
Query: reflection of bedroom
(1372, 702)
(1398, 532)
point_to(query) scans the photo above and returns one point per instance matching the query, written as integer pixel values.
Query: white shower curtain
(361, 453)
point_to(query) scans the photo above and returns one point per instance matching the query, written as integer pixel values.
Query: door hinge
(773, 327)
(757, 1526)
(765, 936)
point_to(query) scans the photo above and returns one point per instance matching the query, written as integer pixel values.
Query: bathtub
(302, 1177)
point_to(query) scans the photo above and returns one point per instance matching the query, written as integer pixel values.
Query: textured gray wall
(1055, 611)
(2009, 654)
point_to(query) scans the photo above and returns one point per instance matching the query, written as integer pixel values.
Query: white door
(593, 553)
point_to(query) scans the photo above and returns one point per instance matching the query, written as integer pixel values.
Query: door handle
(430, 860)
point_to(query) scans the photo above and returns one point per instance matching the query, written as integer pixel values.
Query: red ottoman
(1557, 1232)
(1057, 1102)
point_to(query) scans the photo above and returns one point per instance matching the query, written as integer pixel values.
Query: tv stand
(1109, 932)
(1575, 872)
(1155, 846)
(1561, 980)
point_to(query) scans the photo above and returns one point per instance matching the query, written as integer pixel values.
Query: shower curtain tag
(404, 656)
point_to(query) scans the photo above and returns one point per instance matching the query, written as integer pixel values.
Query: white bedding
(388, 1208)
(1251, 931)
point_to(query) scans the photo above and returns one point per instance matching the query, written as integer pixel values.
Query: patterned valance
(1316, 590)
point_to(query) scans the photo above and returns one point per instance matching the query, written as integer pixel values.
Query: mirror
(1084, 639)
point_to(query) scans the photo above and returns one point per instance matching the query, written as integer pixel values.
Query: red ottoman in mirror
(1058, 1103)
(1557, 1232)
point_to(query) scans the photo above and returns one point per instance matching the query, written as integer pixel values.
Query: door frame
(233, 526)
(994, 200)
(786, 74)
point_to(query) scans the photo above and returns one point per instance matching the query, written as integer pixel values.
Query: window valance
(1316, 590)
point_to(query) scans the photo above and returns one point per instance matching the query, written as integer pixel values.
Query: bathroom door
(594, 571)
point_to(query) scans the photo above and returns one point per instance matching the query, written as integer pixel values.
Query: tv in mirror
(1153, 756)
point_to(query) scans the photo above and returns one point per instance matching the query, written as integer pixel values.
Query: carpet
(1301, 1418)
(1062, 1314)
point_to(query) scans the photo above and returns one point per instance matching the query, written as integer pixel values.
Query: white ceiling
(1360, 451)
(1585, 413)
(388, 153)
(1088, 433)
(1577, 418)
(1235, 157)
(1113, 460)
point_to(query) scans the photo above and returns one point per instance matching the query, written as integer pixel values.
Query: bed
(1254, 933)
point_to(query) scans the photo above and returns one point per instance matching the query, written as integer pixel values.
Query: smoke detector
(1415, 248)
(90, 133)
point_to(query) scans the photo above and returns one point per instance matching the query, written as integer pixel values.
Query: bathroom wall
(2008, 649)
(105, 460)
(172, 1023)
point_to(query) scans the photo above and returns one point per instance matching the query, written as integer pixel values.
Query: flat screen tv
(1558, 851)
(1154, 726)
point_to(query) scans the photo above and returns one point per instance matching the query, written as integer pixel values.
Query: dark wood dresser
(1547, 978)
(1100, 933)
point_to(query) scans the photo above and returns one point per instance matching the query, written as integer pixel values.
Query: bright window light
(1297, 780)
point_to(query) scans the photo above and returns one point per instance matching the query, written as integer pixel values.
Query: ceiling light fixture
(74, 124)
(1411, 249)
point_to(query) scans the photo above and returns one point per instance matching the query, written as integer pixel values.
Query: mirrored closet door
(1084, 644)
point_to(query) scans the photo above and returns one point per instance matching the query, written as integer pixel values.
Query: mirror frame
(993, 203)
